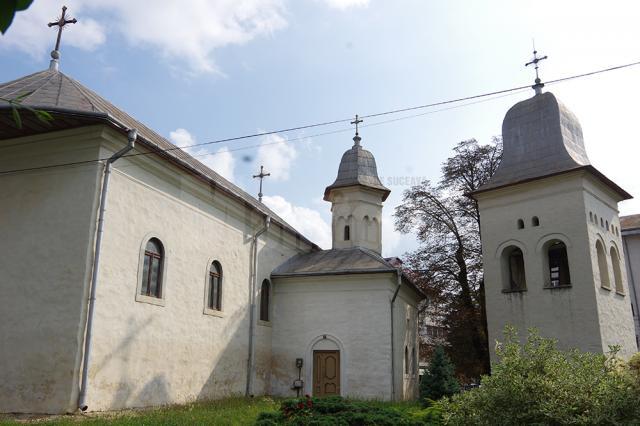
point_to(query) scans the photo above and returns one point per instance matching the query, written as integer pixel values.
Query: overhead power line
(328, 123)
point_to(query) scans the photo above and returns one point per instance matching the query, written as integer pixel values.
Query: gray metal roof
(335, 261)
(540, 137)
(357, 167)
(73, 105)
(354, 260)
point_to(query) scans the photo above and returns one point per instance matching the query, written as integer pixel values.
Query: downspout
(393, 352)
(252, 304)
(82, 398)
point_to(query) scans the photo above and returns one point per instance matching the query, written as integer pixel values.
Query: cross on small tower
(61, 22)
(261, 176)
(539, 85)
(356, 122)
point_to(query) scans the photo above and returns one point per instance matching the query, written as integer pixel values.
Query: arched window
(406, 360)
(366, 223)
(602, 265)
(535, 221)
(601, 223)
(591, 216)
(347, 233)
(520, 224)
(607, 225)
(214, 297)
(617, 273)
(265, 295)
(152, 269)
(513, 274)
(558, 262)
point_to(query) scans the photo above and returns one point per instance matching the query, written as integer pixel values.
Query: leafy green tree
(8, 9)
(536, 383)
(447, 265)
(439, 379)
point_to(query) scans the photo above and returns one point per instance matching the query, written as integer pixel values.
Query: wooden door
(326, 373)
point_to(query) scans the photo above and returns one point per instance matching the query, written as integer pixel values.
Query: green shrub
(439, 380)
(339, 411)
(536, 383)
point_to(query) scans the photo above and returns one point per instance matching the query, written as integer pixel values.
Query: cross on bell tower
(539, 85)
(261, 176)
(61, 22)
(357, 138)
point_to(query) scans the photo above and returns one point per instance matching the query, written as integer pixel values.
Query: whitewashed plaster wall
(150, 354)
(570, 315)
(361, 209)
(353, 312)
(614, 305)
(632, 259)
(47, 220)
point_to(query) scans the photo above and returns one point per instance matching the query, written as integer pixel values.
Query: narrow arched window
(265, 295)
(214, 297)
(152, 269)
(406, 360)
(591, 216)
(347, 233)
(558, 261)
(535, 221)
(602, 265)
(617, 272)
(601, 223)
(520, 224)
(517, 279)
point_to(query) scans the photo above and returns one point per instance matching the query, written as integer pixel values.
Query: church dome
(540, 137)
(357, 167)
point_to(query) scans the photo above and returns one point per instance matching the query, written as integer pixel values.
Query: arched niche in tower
(603, 270)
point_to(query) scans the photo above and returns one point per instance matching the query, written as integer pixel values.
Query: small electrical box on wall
(297, 384)
(298, 362)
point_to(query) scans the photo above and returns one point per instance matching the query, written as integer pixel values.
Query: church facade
(164, 283)
(551, 241)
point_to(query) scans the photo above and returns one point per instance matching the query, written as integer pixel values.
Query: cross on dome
(539, 85)
(357, 121)
(61, 22)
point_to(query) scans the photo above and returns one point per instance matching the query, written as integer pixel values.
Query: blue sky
(203, 70)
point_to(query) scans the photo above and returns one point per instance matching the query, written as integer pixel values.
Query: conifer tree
(439, 379)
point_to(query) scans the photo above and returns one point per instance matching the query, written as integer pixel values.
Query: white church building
(132, 275)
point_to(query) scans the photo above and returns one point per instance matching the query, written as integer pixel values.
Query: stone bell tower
(551, 243)
(356, 199)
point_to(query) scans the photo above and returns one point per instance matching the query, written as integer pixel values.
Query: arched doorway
(326, 368)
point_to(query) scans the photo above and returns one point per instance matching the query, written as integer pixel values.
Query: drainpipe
(252, 304)
(82, 398)
(393, 352)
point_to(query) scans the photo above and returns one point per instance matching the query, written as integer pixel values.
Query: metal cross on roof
(61, 22)
(261, 176)
(538, 86)
(356, 122)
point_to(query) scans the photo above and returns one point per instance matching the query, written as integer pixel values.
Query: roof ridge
(375, 256)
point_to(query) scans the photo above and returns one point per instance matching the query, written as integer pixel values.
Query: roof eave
(105, 118)
(624, 195)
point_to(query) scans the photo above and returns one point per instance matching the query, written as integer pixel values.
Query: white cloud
(185, 32)
(221, 161)
(345, 4)
(30, 33)
(307, 221)
(276, 155)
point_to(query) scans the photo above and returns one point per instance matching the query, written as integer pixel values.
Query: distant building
(630, 228)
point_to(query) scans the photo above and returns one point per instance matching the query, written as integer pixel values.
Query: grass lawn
(232, 411)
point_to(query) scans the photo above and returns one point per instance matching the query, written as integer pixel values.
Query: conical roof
(357, 167)
(541, 137)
